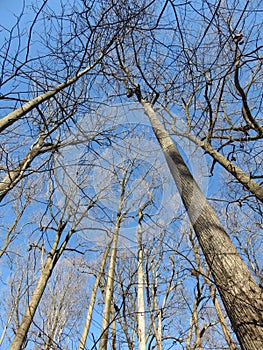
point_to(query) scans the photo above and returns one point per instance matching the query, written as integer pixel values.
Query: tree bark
(212, 290)
(232, 168)
(241, 295)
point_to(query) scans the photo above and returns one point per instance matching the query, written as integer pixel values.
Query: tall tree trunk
(157, 328)
(111, 271)
(92, 300)
(47, 270)
(212, 290)
(113, 329)
(241, 295)
(109, 290)
(220, 316)
(194, 321)
(140, 291)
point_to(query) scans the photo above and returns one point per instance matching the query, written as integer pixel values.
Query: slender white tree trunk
(111, 271)
(156, 328)
(92, 300)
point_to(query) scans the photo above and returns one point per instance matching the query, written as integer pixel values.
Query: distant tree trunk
(114, 329)
(241, 295)
(47, 270)
(109, 290)
(92, 301)
(111, 271)
(194, 324)
(220, 316)
(140, 290)
(155, 312)
(156, 328)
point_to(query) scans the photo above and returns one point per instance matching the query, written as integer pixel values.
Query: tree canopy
(131, 175)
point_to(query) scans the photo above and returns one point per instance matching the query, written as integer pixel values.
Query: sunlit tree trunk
(215, 301)
(92, 300)
(111, 271)
(241, 295)
(230, 166)
(53, 256)
(47, 270)
(109, 289)
(194, 321)
(220, 316)
(155, 312)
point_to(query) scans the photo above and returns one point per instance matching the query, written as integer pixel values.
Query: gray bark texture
(241, 295)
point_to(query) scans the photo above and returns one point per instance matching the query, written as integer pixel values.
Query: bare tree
(61, 307)
(195, 69)
(85, 332)
(58, 247)
(241, 295)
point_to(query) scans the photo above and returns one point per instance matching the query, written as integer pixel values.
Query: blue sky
(7, 9)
